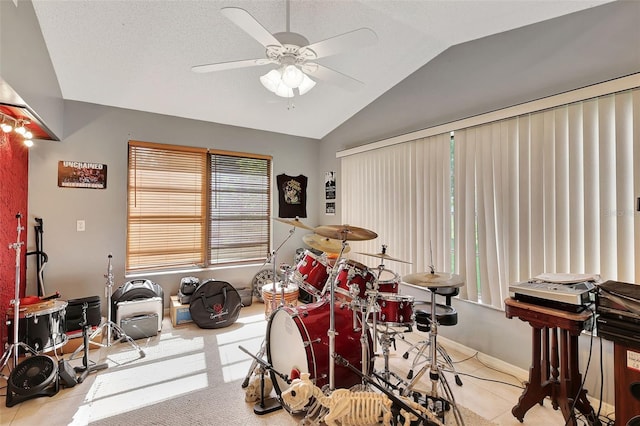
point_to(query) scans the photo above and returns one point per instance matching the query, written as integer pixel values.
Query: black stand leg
(85, 369)
(266, 405)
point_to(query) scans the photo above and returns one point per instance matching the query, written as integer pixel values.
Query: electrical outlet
(80, 225)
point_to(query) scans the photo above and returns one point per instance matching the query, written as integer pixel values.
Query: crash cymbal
(433, 279)
(345, 232)
(293, 222)
(324, 244)
(383, 256)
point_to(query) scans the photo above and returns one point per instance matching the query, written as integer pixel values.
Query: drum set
(335, 338)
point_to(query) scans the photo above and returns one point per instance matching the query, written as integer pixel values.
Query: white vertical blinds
(391, 191)
(548, 191)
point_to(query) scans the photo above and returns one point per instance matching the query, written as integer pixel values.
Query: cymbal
(293, 222)
(383, 256)
(433, 279)
(345, 232)
(324, 244)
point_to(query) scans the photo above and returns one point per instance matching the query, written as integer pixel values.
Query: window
(550, 190)
(188, 207)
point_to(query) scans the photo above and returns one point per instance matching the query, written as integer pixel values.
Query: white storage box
(133, 308)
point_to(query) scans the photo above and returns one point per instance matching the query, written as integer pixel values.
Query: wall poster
(330, 185)
(79, 174)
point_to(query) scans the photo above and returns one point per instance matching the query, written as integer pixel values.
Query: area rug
(190, 376)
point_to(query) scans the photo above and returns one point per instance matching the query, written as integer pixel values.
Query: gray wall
(484, 75)
(78, 260)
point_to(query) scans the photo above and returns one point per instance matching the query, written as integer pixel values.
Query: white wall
(78, 260)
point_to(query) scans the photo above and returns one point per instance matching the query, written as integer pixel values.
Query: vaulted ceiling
(138, 54)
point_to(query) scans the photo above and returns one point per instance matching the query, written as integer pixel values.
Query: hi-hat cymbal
(433, 279)
(324, 244)
(293, 222)
(345, 232)
(383, 256)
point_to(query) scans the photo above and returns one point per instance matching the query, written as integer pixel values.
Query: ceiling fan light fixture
(306, 85)
(292, 76)
(271, 80)
(6, 127)
(284, 91)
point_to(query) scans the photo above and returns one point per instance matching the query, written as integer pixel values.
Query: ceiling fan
(293, 55)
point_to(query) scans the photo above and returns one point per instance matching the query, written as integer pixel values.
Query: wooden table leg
(535, 391)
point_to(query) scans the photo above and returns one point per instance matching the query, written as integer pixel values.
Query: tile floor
(489, 393)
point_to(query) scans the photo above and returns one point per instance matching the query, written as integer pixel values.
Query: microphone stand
(13, 349)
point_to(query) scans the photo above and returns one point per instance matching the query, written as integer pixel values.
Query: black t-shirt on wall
(292, 195)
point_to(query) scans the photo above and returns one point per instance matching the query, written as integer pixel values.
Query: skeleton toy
(252, 393)
(346, 408)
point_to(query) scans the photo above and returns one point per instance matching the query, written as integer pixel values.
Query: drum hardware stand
(368, 381)
(108, 323)
(271, 257)
(85, 369)
(13, 348)
(266, 405)
(332, 281)
(435, 372)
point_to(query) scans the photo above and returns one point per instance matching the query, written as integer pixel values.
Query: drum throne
(446, 315)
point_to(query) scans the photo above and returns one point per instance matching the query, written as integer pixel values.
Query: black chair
(446, 315)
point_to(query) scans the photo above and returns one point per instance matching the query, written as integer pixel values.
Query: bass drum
(297, 342)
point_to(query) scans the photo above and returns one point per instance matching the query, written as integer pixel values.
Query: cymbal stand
(435, 374)
(271, 257)
(331, 282)
(13, 348)
(108, 324)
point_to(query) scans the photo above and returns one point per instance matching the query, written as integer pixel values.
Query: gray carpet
(189, 376)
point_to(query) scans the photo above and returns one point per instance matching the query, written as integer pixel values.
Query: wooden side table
(554, 370)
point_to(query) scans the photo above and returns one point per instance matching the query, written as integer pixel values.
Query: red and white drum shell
(311, 273)
(297, 342)
(388, 282)
(352, 273)
(396, 310)
(270, 298)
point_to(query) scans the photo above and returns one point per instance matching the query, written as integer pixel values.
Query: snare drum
(311, 273)
(352, 273)
(396, 310)
(388, 282)
(297, 342)
(290, 296)
(41, 326)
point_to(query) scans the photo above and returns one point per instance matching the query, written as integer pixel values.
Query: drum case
(74, 312)
(135, 290)
(140, 326)
(135, 308)
(215, 304)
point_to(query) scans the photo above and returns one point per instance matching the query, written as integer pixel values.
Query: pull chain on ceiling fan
(294, 56)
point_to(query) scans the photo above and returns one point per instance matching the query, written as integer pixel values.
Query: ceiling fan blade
(250, 25)
(221, 66)
(344, 42)
(334, 77)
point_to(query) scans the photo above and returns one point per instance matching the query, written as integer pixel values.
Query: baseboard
(519, 373)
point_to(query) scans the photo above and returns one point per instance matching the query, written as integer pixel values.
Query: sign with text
(79, 174)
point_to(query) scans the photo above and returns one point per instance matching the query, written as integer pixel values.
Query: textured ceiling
(138, 54)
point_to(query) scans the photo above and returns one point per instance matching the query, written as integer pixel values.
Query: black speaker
(634, 388)
(635, 421)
